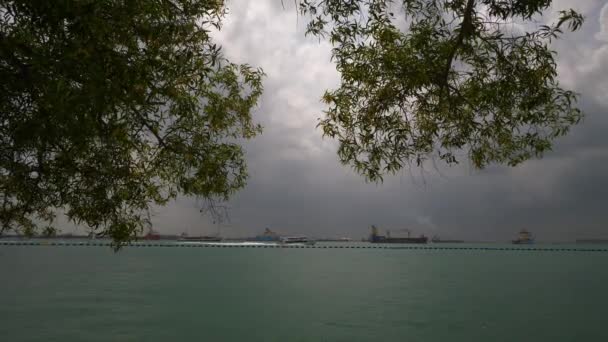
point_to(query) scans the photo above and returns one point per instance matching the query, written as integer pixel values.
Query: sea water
(86, 293)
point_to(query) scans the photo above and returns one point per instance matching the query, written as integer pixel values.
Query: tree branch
(465, 29)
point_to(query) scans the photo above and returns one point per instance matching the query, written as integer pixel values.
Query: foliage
(430, 78)
(108, 107)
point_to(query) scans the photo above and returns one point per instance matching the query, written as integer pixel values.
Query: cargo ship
(525, 238)
(185, 238)
(375, 237)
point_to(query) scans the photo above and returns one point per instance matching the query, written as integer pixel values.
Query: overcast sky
(297, 185)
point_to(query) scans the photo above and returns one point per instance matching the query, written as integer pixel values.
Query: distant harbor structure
(524, 238)
(375, 237)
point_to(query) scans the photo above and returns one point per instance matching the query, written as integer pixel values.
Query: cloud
(603, 20)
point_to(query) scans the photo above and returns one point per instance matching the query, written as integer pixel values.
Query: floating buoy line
(282, 246)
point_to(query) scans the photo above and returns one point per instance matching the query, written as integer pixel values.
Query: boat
(152, 235)
(525, 238)
(297, 240)
(185, 238)
(267, 236)
(375, 237)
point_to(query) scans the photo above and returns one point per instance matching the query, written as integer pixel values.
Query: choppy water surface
(51, 293)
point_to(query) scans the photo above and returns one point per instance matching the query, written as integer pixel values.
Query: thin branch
(465, 30)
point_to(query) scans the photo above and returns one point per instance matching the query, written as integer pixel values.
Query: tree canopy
(108, 107)
(433, 78)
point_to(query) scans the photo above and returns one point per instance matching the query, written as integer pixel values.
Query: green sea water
(50, 293)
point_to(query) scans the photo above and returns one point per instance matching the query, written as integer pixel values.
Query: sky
(298, 186)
